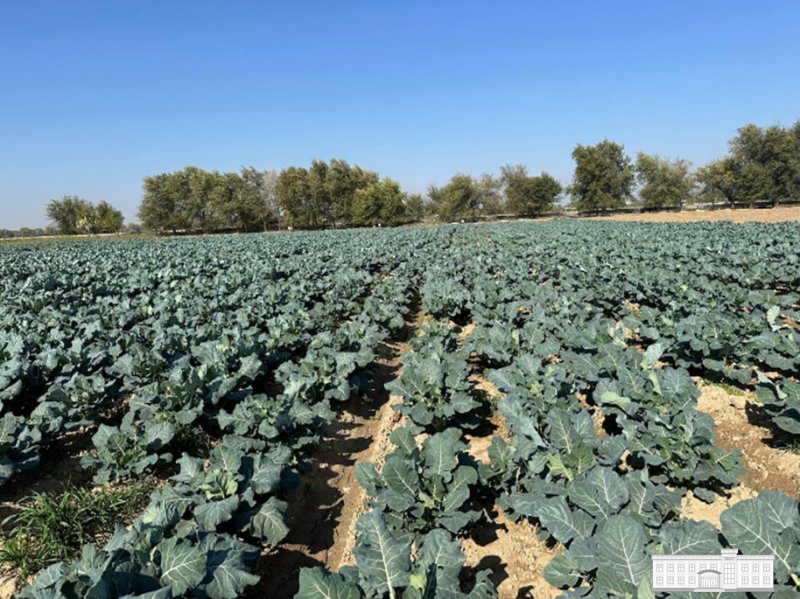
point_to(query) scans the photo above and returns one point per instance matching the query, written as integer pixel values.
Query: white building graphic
(727, 571)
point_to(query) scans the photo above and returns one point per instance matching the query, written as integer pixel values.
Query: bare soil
(324, 508)
(693, 508)
(740, 425)
(778, 214)
(514, 555)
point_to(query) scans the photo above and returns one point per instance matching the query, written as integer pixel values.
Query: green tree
(459, 199)
(379, 204)
(718, 181)
(341, 182)
(434, 204)
(665, 183)
(603, 177)
(258, 197)
(491, 196)
(320, 207)
(106, 218)
(528, 195)
(416, 209)
(322, 195)
(196, 187)
(71, 215)
(393, 207)
(767, 163)
(159, 209)
(293, 194)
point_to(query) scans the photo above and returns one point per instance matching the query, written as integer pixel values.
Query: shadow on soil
(316, 504)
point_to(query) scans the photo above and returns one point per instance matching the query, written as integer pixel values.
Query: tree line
(762, 164)
(75, 216)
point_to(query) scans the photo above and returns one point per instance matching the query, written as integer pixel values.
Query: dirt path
(740, 215)
(766, 467)
(324, 508)
(738, 426)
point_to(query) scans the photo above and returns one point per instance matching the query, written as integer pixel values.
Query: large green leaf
(766, 524)
(268, 522)
(622, 561)
(383, 561)
(316, 583)
(183, 565)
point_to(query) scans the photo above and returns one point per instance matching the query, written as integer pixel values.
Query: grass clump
(48, 528)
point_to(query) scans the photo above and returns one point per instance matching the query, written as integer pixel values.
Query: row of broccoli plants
(424, 495)
(722, 302)
(86, 326)
(612, 500)
(609, 494)
(406, 545)
(201, 533)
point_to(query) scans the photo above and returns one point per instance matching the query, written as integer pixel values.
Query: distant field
(778, 214)
(489, 410)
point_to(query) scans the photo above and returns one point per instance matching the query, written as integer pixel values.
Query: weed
(49, 528)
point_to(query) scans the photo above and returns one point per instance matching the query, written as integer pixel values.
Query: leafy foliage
(385, 566)
(423, 488)
(216, 364)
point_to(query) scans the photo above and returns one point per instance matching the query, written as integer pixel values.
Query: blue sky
(96, 95)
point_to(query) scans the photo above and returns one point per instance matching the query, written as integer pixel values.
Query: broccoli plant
(423, 488)
(435, 389)
(384, 566)
(129, 449)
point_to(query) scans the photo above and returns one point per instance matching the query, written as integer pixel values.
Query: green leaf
(766, 524)
(227, 568)
(400, 475)
(437, 568)
(687, 537)
(440, 453)
(384, 562)
(459, 488)
(213, 513)
(772, 315)
(183, 566)
(562, 571)
(562, 522)
(601, 492)
(622, 561)
(268, 522)
(316, 583)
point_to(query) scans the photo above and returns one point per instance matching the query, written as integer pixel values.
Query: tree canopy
(526, 195)
(72, 215)
(664, 183)
(603, 178)
(763, 164)
(193, 199)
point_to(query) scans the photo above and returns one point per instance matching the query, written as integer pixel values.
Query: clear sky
(96, 95)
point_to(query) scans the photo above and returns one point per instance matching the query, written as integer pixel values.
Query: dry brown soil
(515, 556)
(740, 215)
(324, 508)
(739, 426)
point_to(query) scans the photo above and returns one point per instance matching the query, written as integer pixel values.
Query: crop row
(217, 363)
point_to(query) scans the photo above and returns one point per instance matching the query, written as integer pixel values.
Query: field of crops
(511, 410)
